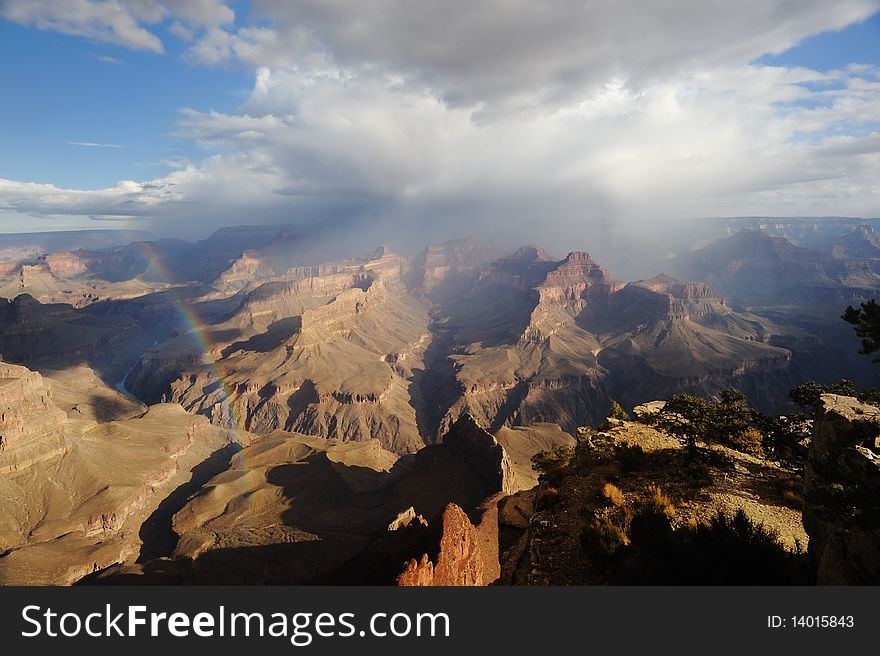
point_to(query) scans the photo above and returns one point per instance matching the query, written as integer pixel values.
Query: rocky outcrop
(306, 288)
(405, 518)
(242, 272)
(859, 242)
(116, 264)
(447, 268)
(542, 529)
(459, 561)
(59, 336)
(575, 279)
(752, 268)
(666, 297)
(342, 370)
(841, 488)
(150, 379)
(31, 424)
(481, 452)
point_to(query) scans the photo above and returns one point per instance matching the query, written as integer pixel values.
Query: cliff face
(667, 297)
(31, 425)
(577, 278)
(450, 267)
(307, 288)
(115, 264)
(242, 272)
(572, 337)
(341, 513)
(480, 451)
(77, 489)
(343, 373)
(841, 488)
(753, 268)
(151, 377)
(59, 336)
(647, 327)
(859, 242)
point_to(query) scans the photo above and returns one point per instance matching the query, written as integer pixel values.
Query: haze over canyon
(172, 407)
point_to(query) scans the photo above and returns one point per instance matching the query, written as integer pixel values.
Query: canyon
(272, 417)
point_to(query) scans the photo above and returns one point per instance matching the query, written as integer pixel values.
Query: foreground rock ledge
(841, 489)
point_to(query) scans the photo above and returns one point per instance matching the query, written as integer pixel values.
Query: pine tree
(866, 319)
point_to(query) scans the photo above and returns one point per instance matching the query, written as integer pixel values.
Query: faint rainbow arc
(198, 329)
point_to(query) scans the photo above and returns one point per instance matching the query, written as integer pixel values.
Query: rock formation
(841, 488)
(77, 490)
(459, 561)
(753, 268)
(343, 372)
(31, 425)
(480, 451)
(541, 528)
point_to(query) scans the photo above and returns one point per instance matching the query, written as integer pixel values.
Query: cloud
(738, 140)
(127, 198)
(91, 144)
(520, 51)
(107, 59)
(499, 115)
(111, 22)
(124, 23)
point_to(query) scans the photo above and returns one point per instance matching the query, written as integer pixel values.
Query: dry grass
(602, 537)
(790, 488)
(613, 494)
(612, 470)
(657, 501)
(749, 441)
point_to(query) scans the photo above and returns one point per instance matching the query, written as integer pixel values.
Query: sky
(183, 116)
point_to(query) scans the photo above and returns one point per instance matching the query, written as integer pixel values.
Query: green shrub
(807, 395)
(617, 412)
(692, 418)
(790, 487)
(630, 456)
(552, 462)
(739, 528)
(734, 549)
(729, 549)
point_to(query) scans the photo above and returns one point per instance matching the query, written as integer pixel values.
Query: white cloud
(522, 51)
(502, 113)
(92, 144)
(126, 198)
(125, 23)
(680, 146)
(740, 140)
(106, 59)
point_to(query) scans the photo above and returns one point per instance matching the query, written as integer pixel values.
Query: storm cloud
(475, 116)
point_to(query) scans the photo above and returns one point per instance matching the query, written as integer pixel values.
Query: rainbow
(198, 330)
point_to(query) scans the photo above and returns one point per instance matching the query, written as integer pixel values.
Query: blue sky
(58, 89)
(399, 111)
(857, 43)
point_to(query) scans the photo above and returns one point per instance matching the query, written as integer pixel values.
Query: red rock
(459, 561)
